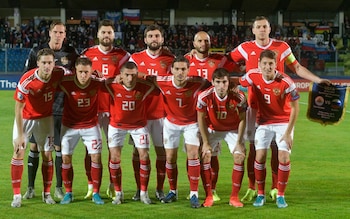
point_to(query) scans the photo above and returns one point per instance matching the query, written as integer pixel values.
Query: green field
(318, 185)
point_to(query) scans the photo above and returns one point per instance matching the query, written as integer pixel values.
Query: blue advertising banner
(9, 81)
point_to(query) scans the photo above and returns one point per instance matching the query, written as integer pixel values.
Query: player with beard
(154, 60)
(107, 60)
(203, 63)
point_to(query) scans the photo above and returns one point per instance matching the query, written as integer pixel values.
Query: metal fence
(13, 59)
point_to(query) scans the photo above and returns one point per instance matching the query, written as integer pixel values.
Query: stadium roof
(266, 6)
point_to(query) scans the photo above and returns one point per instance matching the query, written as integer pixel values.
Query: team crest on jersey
(276, 91)
(92, 92)
(188, 93)
(163, 64)
(230, 105)
(211, 63)
(138, 95)
(115, 59)
(55, 84)
(64, 60)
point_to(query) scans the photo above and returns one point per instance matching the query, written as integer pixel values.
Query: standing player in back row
(250, 52)
(153, 61)
(107, 60)
(278, 109)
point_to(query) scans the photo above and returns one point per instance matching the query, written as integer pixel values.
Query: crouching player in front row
(221, 115)
(278, 109)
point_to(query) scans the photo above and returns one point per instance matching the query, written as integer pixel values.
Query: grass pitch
(317, 188)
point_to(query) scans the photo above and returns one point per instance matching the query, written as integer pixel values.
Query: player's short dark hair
(220, 73)
(260, 18)
(153, 27)
(106, 23)
(180, 58)
(268, 54)
(128, 65)
(45, 52)
(83, 61)
(55, 23)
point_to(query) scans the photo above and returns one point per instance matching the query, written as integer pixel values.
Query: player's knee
(238, 158)
(96, 158)
(283, 157)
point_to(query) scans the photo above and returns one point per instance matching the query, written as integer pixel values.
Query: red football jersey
(159, 65)
(37, 94)
(222, 113)
(180, 102)
(128, 106)
(273, 97)
(80, 102)
(205, 67)
(108, 63)
(250, 52)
